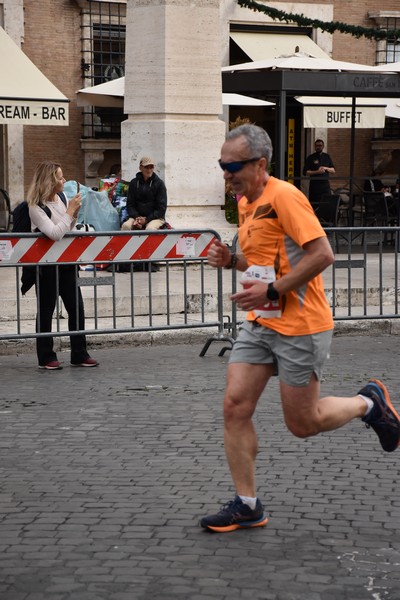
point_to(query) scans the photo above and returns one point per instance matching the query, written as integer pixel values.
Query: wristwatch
(272, 294)
(232, 261)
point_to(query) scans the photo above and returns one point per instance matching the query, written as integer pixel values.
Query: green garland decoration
(330, 27)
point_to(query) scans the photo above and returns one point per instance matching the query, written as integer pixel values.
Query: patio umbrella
(111, 93)
(393, 67)
(298, 61)
(242, 100)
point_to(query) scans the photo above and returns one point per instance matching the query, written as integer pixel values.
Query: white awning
(336, 112)
(259, 46)
(27, 97)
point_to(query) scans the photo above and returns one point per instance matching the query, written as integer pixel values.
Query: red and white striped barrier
(85, 248)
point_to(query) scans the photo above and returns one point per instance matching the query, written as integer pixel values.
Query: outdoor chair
(327, 211)
(376, 212)
(344, 206)
(357, 211)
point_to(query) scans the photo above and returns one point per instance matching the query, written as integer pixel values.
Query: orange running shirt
(272, 232)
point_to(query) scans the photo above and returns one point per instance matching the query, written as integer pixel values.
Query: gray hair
(257, 139)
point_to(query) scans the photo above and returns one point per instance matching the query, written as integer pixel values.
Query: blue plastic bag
(70, 190)
(96, 209)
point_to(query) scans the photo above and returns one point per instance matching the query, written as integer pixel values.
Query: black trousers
(317, 189)
(71, 296)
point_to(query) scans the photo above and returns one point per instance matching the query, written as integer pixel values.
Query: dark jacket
(147, 198)
(373, 185)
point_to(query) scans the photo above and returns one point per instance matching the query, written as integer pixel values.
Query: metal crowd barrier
(363, 282)
(186, 293)
(120, 289)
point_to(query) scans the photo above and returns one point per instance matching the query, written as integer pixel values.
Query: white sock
(249, 501)
(368, 402)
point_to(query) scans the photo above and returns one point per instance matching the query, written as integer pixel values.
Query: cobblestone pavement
(104, 474)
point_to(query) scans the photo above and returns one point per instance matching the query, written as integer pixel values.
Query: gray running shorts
(296, 358)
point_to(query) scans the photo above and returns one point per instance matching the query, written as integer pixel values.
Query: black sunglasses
(234, 167)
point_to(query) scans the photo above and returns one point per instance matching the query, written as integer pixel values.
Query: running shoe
(383, 418)
(53, 365)
(235, 515)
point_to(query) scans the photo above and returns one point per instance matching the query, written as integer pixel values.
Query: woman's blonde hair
(43, 182)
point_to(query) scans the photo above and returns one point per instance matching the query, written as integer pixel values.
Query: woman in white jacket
(46, 189)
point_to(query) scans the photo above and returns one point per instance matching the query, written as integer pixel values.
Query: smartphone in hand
(78, 187)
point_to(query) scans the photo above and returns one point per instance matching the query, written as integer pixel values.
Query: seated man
(147, 199)
(373, 184)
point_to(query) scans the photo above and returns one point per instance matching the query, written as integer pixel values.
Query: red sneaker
(88, 362)
(51, 366)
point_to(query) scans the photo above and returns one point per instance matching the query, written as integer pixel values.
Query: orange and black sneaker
(235, 515)
(382, 418)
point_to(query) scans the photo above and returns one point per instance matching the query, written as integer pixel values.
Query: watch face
(272, 294)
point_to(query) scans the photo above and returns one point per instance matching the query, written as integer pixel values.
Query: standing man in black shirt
(318, 167)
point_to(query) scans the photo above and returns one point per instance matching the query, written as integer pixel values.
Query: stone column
(173, 102)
